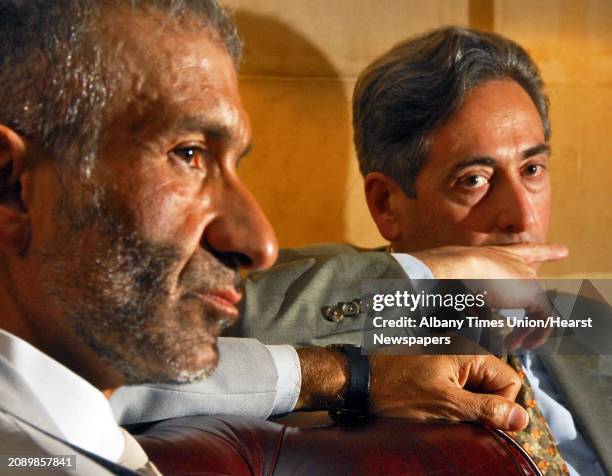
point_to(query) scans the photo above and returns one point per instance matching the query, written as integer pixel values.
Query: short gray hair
(416, 86)
(56, 77)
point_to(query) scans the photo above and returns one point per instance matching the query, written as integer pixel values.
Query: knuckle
(486, 361)
(491, 410)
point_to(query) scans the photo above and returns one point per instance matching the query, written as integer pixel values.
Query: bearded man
(123, 225)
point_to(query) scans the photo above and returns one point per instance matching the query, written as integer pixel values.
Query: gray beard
(114, 289)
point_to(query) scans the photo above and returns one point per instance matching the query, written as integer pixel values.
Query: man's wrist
(325, 378)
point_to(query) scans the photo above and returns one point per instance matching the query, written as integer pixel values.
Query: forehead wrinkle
(170, 99)
(209, 122)
(153, 115)
(217, 120)
(186, 84)
(150, 69)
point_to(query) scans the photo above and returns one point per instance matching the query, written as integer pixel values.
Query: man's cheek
(172, 215)
(542, 218)
(453, 224)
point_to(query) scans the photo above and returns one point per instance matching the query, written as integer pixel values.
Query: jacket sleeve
(283, 305)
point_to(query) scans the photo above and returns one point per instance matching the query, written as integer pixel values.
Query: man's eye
(194, 156)
(532, 170)
(474, 181)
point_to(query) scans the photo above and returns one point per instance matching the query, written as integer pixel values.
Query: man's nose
(515, 211)
(241, 232)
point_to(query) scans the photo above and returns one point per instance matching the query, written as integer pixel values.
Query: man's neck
(72, 353)
(11, 319)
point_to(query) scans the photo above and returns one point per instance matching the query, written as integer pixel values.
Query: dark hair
(57, 77)
(416, 86)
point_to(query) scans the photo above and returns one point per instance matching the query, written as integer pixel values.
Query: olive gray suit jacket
(283, 305)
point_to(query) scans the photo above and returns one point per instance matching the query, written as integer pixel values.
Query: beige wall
(301, 61)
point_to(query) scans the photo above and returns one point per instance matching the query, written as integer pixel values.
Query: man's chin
(185, 364)
(194, 367)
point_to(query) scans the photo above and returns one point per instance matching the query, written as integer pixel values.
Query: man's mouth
(224, 301)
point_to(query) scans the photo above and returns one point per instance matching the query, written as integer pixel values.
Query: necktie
(536, 439)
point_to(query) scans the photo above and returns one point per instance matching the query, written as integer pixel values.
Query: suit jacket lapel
(585, 381)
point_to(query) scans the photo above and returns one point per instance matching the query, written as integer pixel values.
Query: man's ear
(14, 219)
(379, 190)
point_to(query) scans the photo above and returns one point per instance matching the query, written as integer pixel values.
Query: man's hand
(518, 261)
(419, 386)
(451, 387)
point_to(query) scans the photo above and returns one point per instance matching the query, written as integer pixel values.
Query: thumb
(491, 410)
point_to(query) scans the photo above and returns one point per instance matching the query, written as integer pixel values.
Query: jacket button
(350, 308)
(332, 313)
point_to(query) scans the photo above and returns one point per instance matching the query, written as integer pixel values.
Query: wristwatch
(354, 406)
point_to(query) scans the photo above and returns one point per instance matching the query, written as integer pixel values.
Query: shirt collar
(78, 409)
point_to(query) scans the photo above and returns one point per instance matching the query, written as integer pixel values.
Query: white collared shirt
(78, 409)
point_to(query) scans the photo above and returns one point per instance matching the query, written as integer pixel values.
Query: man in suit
(452, 135)
(123, 224)
(465, 161)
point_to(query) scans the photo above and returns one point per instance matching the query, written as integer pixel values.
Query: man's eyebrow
(536, 150)
(470, 161)
(201, 125)
(491, 161)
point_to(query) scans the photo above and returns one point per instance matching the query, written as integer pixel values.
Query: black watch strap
(355, 403)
